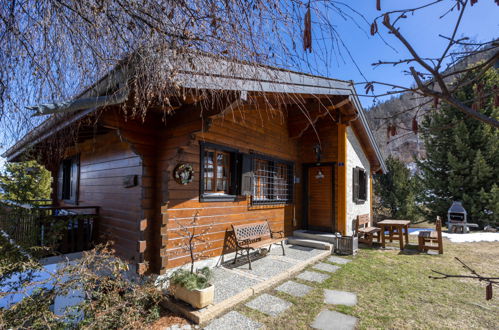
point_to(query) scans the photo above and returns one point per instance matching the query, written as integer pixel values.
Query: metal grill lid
(457, 207)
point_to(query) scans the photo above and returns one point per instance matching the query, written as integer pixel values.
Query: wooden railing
(64, 229)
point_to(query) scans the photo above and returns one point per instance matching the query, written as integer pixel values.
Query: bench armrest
(280, 233)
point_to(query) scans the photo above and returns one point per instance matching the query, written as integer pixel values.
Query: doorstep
(236, 283)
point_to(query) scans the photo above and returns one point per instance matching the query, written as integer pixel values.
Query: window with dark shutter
(68, 180)
(219, 167)
(359, 185)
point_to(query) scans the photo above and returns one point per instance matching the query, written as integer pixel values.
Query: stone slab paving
(326, 267)
(298, 253)
(269, 305)
(327, 320)
(294, 289)
(312, 276)
(335, 297)
(233, 320)
(266, 267)
(228, 284)
(338, 260)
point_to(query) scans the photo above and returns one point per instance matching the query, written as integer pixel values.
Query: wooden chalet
(262, 143)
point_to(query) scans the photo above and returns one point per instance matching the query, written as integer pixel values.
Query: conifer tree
(396, 192)
(25, 181)
(463, 155)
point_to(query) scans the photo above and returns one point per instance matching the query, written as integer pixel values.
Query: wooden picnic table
(397, 229)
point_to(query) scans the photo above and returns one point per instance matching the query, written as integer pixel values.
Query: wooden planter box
(346, 245)
(195, 298)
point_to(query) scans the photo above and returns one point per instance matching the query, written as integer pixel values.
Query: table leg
(401, 237)
(390, 230)
(406, 234)
(382, 233)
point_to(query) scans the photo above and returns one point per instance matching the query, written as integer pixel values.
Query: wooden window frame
(232, 177)
(359, 188)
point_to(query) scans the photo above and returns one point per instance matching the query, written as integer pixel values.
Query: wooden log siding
(104, 162)
(143, 138)
(259, 130)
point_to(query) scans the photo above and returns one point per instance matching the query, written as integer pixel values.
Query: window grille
(272, 182)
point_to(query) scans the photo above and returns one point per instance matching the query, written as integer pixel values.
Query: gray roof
(211, 73)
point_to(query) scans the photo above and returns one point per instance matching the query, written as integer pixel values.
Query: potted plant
(193, 288)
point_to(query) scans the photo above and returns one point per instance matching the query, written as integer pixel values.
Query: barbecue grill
(457, 218)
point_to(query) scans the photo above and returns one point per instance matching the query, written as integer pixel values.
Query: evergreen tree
(463, 156)
(25, 181)
(396, 191)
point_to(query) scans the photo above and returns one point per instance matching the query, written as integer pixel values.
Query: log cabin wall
(247, 129)
(104, 163)
(143, 137)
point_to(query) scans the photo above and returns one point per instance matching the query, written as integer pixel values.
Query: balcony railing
(64, 229)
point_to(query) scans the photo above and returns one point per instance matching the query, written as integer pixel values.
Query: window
(227, 173)
(359, 185)
(272, 181)
(218, 173)
(68, 180)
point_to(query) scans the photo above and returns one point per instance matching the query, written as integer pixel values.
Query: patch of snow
(471, 237)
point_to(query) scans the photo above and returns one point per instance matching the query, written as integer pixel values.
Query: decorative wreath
(183, 173)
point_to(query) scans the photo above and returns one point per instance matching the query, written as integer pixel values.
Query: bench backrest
(362, 221)
(252, 232)
(438, 226)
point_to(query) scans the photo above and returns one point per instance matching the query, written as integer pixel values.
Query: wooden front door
(320, 202)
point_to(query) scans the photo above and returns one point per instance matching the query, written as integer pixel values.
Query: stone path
(335, 297)
(338, 260)
(313, 276)
(326, 267)
(294, 289)
(233, 320)
(273, 306)
(326, 319)
(269, 305)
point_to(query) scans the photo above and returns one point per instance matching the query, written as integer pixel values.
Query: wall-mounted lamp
(318, 152)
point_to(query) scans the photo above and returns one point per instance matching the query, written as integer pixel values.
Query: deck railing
(65, 229)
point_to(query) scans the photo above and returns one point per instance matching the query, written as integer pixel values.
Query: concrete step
(316, 236)
(309, 243)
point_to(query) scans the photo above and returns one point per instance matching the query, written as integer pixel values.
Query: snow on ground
(471, 237)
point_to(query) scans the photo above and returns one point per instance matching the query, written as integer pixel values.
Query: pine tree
(25, 181)
(463, 156)
(396, 192)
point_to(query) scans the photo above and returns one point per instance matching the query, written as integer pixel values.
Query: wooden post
(371, 195)
(342, 179)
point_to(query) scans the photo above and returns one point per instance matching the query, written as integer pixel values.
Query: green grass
(394, 291)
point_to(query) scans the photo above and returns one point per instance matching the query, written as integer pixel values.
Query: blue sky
(480, 23)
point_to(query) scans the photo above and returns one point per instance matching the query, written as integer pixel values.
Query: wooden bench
(364, 231)
(255, 235)
(431, 240)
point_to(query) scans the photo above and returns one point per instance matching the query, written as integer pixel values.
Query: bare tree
(192, 240)
(474, 275)
(51, 50)
(438, 77)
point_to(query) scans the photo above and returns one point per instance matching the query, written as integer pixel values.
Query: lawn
(394, 291)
